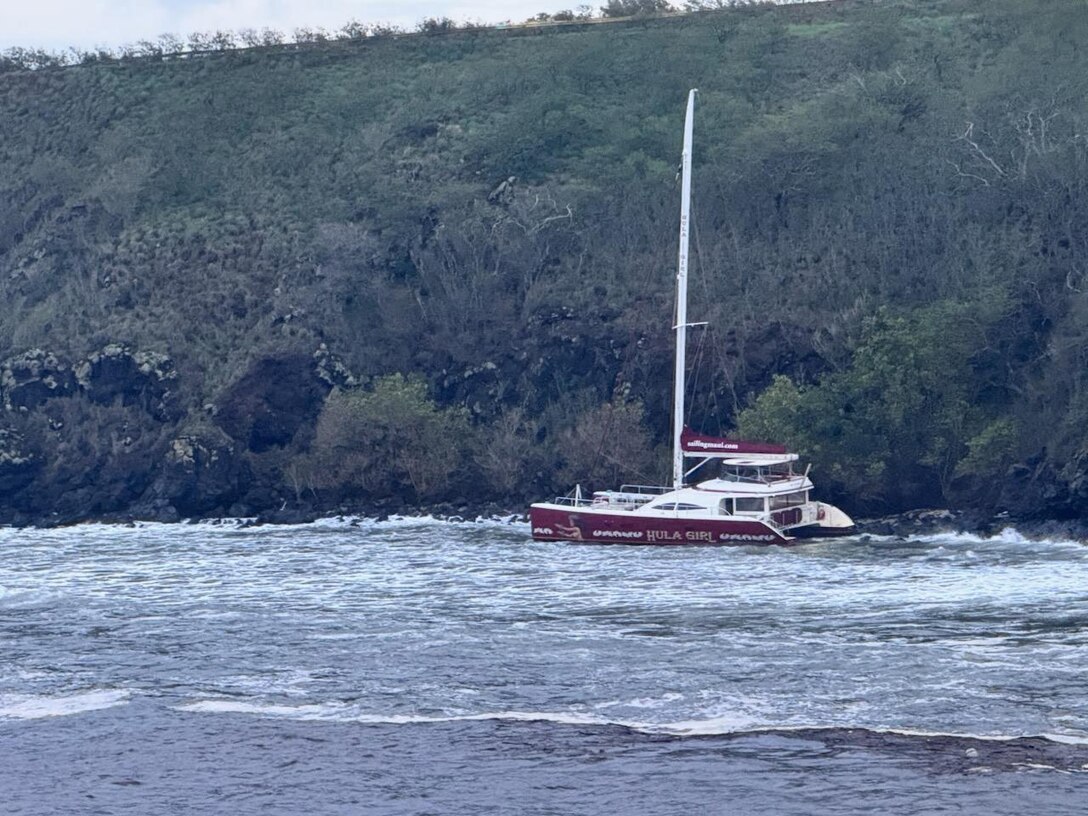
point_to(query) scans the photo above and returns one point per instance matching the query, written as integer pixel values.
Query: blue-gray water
(423, 667)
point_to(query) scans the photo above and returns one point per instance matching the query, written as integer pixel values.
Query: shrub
(608, 445)
(388, 441)
(508, 454)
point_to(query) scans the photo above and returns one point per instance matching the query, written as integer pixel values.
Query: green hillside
(438, 268)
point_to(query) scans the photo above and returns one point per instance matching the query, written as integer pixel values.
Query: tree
(633, 8)
(509, 455)
(893, 426)
(436, 25)
(269, 36)
(223, 40)
(608, 445)
(354, 30)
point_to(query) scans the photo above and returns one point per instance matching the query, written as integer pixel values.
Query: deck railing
(648, 490)
(628, 497)
(573, 501)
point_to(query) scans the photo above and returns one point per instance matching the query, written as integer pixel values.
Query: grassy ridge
(494, 213)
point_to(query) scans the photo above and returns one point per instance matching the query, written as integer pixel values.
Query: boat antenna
(682, 298)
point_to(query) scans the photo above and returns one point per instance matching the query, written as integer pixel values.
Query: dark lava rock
(1049, 529)
(484, 389)
(930, 521)
(18, 465)
(200, 474)
(142, 378)
(289, 515)
(918, 522)
(29, 379)
(155, 510)
(272, 401)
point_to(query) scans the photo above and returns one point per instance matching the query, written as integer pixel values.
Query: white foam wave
(25, 599)
(356, 522)
(643, 702)
(1007, 535)
(731, 725)
(343, 713)
(316, 711)
(395, 521)
(34, 707)
(235, 525)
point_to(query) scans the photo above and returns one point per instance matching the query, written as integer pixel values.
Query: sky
(57, 24)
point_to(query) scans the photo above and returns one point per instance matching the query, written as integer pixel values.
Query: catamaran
(756, 498)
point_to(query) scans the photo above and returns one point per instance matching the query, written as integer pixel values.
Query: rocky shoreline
(117, 436)
(930, 522)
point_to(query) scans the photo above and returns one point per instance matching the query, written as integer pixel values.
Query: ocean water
(414, 666)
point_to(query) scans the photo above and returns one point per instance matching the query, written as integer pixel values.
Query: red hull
(583, 525)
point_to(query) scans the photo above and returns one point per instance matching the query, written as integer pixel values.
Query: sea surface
(415, 666)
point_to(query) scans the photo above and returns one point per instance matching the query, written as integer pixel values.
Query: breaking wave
(35, 707)
(710, 727)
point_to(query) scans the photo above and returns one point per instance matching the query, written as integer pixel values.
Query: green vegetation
(478, 227)
(388, 440)
(913, 409)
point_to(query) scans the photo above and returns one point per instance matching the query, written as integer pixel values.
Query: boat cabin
(740, 505)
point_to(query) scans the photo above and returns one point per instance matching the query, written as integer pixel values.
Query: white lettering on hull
(707, 536)
(573, 532)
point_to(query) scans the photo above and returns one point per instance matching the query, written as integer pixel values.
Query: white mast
(682, 299)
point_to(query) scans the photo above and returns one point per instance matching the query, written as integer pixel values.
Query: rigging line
(702, 275)
(697, 365)
(714, 407)
(729, 383)
(713, 402)
(716, 410)
(704, 279)
(699, 255)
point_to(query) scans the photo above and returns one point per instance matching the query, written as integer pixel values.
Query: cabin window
(749, 504)
(756, 474)
(789, 500)
(725, 507)
(753, 475)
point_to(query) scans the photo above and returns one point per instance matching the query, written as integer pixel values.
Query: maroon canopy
(692, 442)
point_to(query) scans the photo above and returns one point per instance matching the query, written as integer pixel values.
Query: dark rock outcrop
(143, 378)
(484, 389)
(1037, 489)
(29, 379)
(272, 402)
(18, 465)
(330, 369)
(200, 474)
